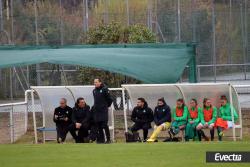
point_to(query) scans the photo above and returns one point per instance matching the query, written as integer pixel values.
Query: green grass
(115, 155)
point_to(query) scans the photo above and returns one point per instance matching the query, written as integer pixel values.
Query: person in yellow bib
(225, 120)
(162, 119)
(194, 117)
(208, 118)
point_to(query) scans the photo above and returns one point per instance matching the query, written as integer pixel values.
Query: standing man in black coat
(142, 116)
(62, 118)
(102, 101)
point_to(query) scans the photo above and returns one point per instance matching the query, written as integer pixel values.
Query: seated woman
(208, 118)
(224, 120)
(80, 119)
(194, 116)
(162, 119)
(180, 113)
(142, 116)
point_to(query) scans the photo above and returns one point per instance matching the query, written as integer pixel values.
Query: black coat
(142, 115)
(162, 114)
(102, 101)
(62, 113)
(81, 115)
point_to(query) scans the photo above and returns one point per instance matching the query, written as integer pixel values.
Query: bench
(53, 129)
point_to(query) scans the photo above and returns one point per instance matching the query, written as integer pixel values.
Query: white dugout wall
(15, 115)
(171, 92)
(50, 96)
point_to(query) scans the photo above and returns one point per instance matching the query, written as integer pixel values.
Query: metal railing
(16, 115)
(219, 73)
(223, 72)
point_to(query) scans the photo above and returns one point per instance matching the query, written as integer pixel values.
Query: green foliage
(138, 34)
(110, 34)
(116, 33)
(49, 32)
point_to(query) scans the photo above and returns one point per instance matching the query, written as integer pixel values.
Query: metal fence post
(1, 16)
(124, 110)
(243, 37)
(127, 11)
(198, 74)
(12, 23)
(214, 41)
(85, 15)
(37, 42)
(11, 112)
(34, 115)
(179, 20)
(232, 111)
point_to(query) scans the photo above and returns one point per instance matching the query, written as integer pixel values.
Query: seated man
(180, 113)
(224, 120)
(162, 119)
(142, 116)
(62, 118)
(208, 117)
(80, 119)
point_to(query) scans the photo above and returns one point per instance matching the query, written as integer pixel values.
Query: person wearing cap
(208, 118)
(194, 116)
(142, 116)
(225, 120)
(162, 119)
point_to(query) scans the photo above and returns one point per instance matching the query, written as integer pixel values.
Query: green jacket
(225, 113)
(214, 116)
(196, 120)
(184, 115)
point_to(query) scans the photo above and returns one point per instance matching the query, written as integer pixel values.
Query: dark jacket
(62, 113)
(142, 115)
(81, 115)
(102, 101)
(162, 114)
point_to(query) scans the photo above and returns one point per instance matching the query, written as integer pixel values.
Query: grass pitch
(115, 155)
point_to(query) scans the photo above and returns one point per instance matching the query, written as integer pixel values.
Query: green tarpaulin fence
(151, 63)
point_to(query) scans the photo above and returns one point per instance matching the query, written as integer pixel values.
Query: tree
(110, 34)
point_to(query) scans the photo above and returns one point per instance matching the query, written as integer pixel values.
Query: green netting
(151, 63)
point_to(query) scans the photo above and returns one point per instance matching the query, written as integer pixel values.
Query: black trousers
(93, 132)
(143, 126)
(62, 130)
(102, 125)
(81, 135)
